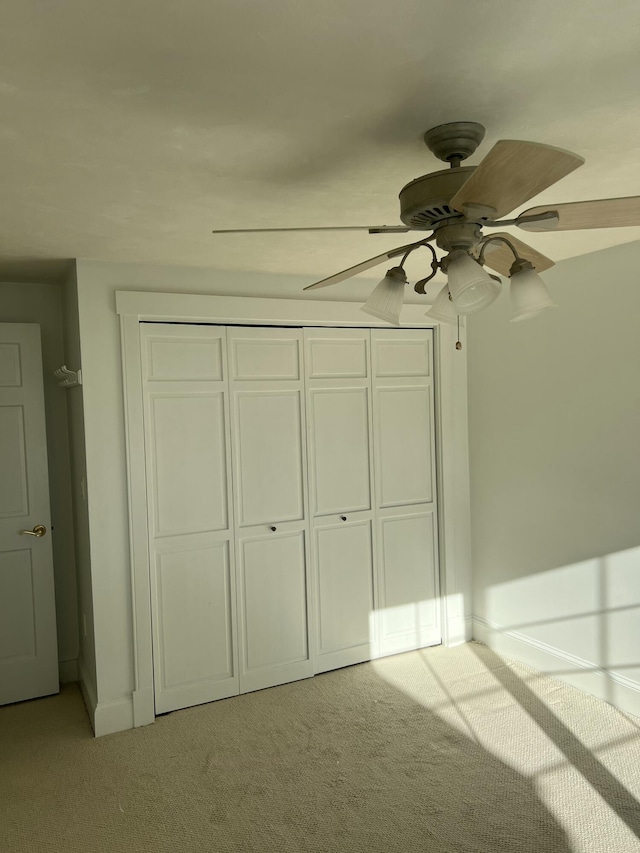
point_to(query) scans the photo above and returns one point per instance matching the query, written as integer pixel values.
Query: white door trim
(451, 444)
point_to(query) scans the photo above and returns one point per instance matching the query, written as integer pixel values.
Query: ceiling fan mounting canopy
(454, 141)
(425, 201)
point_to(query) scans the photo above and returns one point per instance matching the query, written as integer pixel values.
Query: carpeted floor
(440, 750)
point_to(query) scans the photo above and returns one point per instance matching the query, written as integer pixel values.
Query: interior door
(269, 460)
(190, 514)
(406, 509)
(28, 645)
(338, 391)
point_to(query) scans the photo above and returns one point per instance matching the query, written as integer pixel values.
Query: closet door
(266, 383)
(408, 610)
(189, 514)
(338, 392)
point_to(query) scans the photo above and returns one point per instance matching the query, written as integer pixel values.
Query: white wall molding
(611, 686)
(114, 716)
(451, 438)
(105, 717)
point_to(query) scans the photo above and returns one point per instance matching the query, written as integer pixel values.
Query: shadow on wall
(587, 614)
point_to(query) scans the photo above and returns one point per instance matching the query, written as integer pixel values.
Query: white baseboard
(105, 717)
(67, 671)
(616, 689)
(114, 716)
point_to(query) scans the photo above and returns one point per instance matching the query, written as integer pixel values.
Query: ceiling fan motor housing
(425, 201)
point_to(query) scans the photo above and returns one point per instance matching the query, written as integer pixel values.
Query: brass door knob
(39, 530)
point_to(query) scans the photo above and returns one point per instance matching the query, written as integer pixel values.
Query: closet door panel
(339, 423)
(403, 421)
(194, 624)
(273, 591)
(406, 513)
(344, 593)
(191, 546)
(402, 354)
(188, 447)
(269, 460)
(268, 445)
(265, 354)
(340, 451)
(178, 353)
(408, 594)
(340, 354)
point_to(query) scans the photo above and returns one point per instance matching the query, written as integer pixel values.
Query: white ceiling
(131, 128)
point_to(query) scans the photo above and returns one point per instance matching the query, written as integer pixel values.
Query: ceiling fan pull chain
(458, 342)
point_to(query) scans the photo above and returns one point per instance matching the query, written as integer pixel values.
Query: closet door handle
(274, 529)
(343, 517)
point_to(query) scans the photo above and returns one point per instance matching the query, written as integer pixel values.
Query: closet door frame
(452, 463)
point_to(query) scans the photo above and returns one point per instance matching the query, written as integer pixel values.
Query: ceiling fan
(455, 204)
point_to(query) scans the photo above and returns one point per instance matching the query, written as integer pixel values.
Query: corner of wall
(88, 690)
(75, 409)
(106, 718)
(68, 671)
(616, 689)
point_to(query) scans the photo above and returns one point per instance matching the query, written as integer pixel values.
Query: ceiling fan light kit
(470, 285)
(387, 299)
(455, 204)
(442, 309)
(529, 294)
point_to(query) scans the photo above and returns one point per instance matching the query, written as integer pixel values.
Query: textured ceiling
(131, 128)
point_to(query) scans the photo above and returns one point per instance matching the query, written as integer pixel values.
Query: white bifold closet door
(407, 530)
(190, 515)
(339, 416)
(265, 565)
(269, 463)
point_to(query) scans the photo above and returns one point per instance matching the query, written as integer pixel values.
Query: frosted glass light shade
(529, 295)
(385, 302)
(471, 287)
(442, 308)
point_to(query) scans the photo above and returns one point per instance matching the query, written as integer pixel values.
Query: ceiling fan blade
(599, 213)
(500, 258)
(512, 173)
(365, 265)
(372, 229)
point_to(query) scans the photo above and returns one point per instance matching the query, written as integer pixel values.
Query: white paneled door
(340, 479)
(190, 514)
(269, 461)
(291, 503)
(28, 649)
(408, 607)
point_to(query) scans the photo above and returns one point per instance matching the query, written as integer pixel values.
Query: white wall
(554, 422)
(42, 304)
(105, 447)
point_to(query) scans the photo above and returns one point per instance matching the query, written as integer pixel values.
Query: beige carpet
(441, 750)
